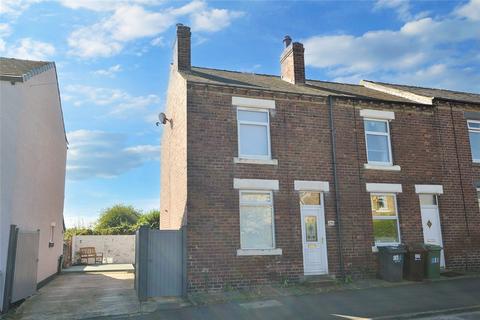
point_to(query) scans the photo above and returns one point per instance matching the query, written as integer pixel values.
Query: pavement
(80, 296)
(458, 316)
(430, 300)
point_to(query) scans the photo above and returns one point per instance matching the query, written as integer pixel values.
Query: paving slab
(82, 295)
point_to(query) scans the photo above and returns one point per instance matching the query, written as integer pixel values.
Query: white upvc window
(474, 134)
(386, 228)
(253, 133)
(257, 230)
(377, 141)
(478, 197)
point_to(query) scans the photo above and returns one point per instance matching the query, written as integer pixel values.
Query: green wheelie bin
(432, 264)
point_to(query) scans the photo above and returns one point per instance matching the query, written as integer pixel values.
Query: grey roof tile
(275, 83)
(17, 68)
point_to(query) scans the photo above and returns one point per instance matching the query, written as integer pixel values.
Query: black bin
(390, 259)
(415, 259)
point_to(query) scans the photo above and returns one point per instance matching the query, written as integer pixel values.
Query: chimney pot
(287, 40)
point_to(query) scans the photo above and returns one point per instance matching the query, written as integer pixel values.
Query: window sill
(381, 167)
(375, 248)
(272, 162)
(259, 252)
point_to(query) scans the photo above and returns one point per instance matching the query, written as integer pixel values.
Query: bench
(90, 252)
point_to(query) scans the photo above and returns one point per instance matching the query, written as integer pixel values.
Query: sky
(113, 60)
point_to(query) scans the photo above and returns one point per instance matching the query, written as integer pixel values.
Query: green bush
(119, 219)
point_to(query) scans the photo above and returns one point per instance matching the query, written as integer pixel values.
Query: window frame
(256, 204)
(267, 124)
(435, 197)
(473, 130)
(478, 197)
(320, 198)
(396, 217)
(387, 134)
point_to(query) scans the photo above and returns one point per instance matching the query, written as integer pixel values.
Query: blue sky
(113, 59)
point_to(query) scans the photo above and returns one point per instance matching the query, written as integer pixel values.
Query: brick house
(277, 178)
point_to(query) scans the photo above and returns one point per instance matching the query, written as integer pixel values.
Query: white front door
(313, 235)
(432, 231)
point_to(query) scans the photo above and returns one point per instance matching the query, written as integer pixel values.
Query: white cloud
(129, 22)
(402, 7)
(158, 42)
(214, 19)
(417, 49)
(5, 30)
(470, 10)
(28, 48)
(119, 102)
(14, 8)
(100, 154)
(105, 5)
(87, 42)
(109, 72)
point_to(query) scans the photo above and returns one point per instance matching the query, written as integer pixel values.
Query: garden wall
(115, 248)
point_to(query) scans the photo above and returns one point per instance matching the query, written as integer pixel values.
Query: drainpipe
(335, 181)
(461, 185)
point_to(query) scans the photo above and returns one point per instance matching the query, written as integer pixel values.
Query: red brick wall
(423, 145)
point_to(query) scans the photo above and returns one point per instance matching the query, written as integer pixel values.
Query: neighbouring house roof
(356, 90)
(429, 93)
(275, 83)
(17, 70)
(20, 70)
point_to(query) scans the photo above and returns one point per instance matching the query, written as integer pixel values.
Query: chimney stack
(182, 50)
(292, 62)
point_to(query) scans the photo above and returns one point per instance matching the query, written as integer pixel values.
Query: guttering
(335, 182)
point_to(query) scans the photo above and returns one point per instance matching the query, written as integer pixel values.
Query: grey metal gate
(26, 264)
(160, 268)
(22, 263)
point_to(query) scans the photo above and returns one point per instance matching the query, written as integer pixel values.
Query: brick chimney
(292, 62)
(182, 50)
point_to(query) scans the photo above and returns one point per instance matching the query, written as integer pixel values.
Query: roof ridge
(335, 82)
(419, 87)
(274, 76)
(242, 72)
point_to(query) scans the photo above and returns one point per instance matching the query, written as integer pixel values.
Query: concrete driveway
(82, 295)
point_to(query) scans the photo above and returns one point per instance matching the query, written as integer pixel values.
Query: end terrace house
(33, 150)
(280, 177)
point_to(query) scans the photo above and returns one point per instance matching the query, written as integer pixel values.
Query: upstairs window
(377, 138)
(478, 197)
(474, 133)
(253, 133)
